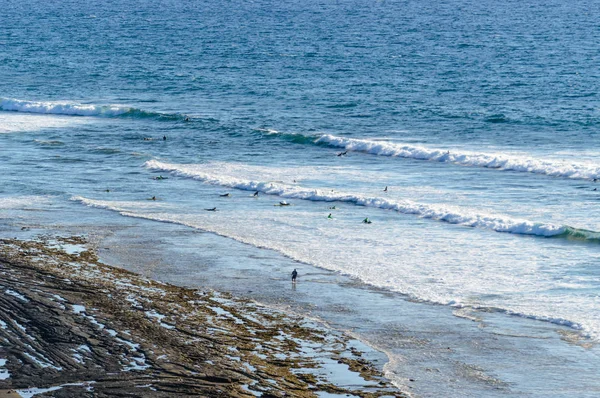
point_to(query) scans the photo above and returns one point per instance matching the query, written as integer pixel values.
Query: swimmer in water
(342, 153)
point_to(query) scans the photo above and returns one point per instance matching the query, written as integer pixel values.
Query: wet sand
(73, 326)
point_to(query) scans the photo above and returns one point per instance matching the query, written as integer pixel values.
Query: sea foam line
(435, 212)
(526, 164)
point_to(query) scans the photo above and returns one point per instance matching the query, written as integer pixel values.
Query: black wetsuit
(294, 275)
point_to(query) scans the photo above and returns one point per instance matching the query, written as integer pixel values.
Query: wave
(553, 168)
(121, 208)
(449, 214)
(74, 109)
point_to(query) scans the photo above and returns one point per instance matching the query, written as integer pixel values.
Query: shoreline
(71, 324)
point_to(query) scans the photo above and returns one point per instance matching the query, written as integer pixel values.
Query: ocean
(467, 134)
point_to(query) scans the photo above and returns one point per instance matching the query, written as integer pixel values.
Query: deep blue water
(481, 119)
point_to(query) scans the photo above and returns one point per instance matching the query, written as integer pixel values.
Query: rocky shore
(71, 326)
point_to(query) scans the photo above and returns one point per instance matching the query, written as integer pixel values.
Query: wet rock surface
(72, 326)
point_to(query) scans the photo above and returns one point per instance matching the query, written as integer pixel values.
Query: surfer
(186, 119)
(283, 203)
(153, 198)
(255, 194)
(342, 153)
(213, 209)
(366, 221)
(107, 190)
(294, 275)
(160, 178)
(332, 208)
(385, 190)
(164, 137)
(225, 195)
(330, 216)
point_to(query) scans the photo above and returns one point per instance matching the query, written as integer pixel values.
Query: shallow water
(481, 121)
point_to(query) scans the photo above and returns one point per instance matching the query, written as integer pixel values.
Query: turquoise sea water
(481, 120)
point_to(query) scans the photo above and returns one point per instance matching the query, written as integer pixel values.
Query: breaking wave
(526, 164)
(74, 109)
(449, 214)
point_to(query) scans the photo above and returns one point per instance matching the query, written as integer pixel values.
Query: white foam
(11, 122)
(399, 257)
(20, 202)
(503, 161)
(450, 214)
(61, 108)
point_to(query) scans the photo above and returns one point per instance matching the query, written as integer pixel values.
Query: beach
(72, 326)
(430, 170)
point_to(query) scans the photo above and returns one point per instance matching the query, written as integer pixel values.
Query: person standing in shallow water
(294, 275)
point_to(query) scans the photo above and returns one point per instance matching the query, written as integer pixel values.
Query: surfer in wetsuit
(164, 137)
(367, 221)
(385, 190)
(255, 194)
(294, 275)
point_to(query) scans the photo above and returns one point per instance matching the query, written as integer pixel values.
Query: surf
(444, 213)
(416, 289)
(76, 109)
(499, 161)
